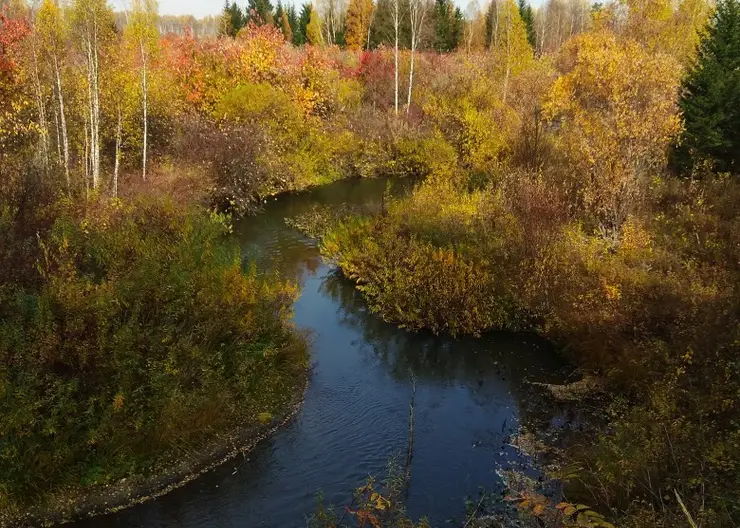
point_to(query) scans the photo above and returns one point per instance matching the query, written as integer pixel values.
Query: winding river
(470, 395)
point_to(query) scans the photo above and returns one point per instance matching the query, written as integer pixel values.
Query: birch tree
(142, 31)
(417, 13)
(50, 28)
(93, 24)
(511, 48)
(396, 27)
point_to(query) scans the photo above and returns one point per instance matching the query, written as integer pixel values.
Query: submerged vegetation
(578, 169)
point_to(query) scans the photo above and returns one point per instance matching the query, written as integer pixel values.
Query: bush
(143, 339)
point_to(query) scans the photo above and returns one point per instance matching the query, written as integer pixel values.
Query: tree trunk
(41, 107)
(144, 60)
(63, 121)
(118, 151)
(94, 100)
(396, 23)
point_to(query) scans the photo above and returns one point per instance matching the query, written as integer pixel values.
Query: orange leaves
(615, 106)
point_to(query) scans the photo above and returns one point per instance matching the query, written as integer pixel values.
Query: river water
(470, 395)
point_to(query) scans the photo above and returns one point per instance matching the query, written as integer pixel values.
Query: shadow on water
(471, 393)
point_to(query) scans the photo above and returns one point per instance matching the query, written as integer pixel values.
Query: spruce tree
(232, 20)
(299, 36)
(294, 25)
(448, 25)
(525, 11)
(710, 99)
(260, 11)
(278, 18)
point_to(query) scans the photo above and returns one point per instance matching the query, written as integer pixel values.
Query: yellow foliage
(615, 105)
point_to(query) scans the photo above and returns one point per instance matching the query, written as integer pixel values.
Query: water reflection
(470, 394)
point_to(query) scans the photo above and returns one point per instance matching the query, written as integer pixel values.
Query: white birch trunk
(62, 121)
(144, 60)
(119, 128)
(396, 24)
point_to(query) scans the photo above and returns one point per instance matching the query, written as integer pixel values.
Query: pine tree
(525, 12)
(710, 98)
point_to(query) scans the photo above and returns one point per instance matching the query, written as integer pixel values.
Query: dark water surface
(470, 395)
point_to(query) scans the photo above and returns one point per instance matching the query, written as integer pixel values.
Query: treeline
(580, 179)
(441, 26)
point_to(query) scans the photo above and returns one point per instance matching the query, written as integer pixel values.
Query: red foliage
(12, 31)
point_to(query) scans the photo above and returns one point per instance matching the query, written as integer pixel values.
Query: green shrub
(144, 338)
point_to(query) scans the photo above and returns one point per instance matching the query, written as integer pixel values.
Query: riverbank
(653, 312)
(78, 504)
(136, 352)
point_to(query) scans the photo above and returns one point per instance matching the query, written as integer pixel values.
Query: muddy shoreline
(136, 490)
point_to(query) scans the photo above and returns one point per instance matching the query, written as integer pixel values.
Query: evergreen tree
(710, 98)
(260, 11)
(294, 25)
(232, 20)
(278, 18)
(448, 25)
(525, 11)
(300, 35)
(382, 30)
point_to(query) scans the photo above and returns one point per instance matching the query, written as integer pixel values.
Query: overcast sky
(201, 8)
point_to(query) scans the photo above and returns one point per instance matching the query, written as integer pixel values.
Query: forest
(575, 172)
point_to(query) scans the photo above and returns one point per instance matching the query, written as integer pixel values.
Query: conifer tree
(448, 25)
(300, 35)
(260, 11)
(527, 16)
(710, 99)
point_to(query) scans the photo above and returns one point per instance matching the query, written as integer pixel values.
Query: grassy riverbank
(136, 340)
(634, 269)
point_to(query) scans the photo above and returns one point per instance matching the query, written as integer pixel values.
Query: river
(470, 395)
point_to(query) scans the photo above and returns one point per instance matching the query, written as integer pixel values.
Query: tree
(491, 22)
(301, 36)
(357, 23)
(448, 25)
(285, 27)
(511, 48)
(616, 109)
(710, 99)
(260, 12)
(525, 12)
(417, 12)
(142, 31)
(232, 20)
(313, 29)
(94, 25)
(50, 28)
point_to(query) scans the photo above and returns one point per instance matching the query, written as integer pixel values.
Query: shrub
(144, 338)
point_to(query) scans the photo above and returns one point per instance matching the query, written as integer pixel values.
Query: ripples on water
(470, 395)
